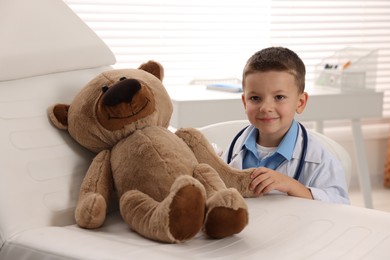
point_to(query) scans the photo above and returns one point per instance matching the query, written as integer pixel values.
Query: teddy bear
(169, 185)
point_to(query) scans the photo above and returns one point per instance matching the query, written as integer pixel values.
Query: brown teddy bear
(169, 185)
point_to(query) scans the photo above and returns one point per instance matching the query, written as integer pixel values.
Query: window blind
(213, 39)
(317, 29)
(192, 39)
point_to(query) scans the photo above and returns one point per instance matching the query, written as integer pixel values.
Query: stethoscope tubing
(303, 153)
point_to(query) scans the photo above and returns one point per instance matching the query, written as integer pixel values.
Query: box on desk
(348, 69)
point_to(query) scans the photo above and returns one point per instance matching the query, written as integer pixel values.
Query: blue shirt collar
(250, 142)
(287, 145)
(284, 151)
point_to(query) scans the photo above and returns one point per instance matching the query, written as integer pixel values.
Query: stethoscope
(303, 153)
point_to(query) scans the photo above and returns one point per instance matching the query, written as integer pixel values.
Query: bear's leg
(177, 218)
(227, 212)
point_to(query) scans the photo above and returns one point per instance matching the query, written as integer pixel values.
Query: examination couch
(41, 168)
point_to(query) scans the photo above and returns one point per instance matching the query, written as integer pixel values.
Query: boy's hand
(265, 180)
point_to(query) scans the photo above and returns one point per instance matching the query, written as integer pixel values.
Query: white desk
(194, 106)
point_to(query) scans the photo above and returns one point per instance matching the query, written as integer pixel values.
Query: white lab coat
(322, 172)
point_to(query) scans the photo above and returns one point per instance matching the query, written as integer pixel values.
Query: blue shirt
(283, 152)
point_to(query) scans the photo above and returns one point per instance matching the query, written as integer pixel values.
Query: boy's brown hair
(277, 59)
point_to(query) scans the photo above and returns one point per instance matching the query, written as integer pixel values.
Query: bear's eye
(104, 88)
(122, 78)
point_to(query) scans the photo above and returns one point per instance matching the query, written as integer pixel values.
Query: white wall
(376, 140)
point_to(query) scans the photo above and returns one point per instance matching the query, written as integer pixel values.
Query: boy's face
(271, 100)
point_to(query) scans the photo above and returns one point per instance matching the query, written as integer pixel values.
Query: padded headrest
(40, 37)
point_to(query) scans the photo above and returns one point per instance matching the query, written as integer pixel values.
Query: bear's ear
(58, 115)
(154, 68)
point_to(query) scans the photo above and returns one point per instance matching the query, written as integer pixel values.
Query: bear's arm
(95, 192)
(204, 153)
(99, 177)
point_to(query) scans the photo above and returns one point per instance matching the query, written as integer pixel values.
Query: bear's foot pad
(223, 222)
(187, 212)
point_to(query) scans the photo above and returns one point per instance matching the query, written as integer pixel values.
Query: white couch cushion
(45, 36)
(41, 167)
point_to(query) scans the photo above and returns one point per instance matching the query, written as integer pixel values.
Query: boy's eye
(280, 97)
(254, 98)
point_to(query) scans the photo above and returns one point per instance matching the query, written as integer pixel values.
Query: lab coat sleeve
(329, 183)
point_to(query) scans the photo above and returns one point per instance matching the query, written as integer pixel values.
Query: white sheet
(279, 227)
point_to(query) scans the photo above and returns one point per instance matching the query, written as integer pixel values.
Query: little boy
(274, 90)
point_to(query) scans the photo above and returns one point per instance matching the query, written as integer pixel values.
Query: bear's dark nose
(123, 91)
